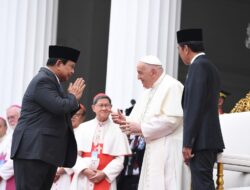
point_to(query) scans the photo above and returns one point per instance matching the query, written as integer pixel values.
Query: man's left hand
(187, 154)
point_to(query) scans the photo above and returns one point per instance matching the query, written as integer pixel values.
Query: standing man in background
(4, 144)
(44, 138)
(101, 149)
(7, 170)
(13, 114)
(202, 137)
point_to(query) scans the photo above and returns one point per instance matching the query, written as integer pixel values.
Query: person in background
(7, 170)
(44, 138)
(202, 137)
(13, 113)
(157, 117)
(63, 175)
(4, 147)
(222, 97)
(101, 149)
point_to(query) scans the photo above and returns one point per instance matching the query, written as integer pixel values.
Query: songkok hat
(189, 35)
(64, 53)
(100, 96)
(224, 94)
(151, 59)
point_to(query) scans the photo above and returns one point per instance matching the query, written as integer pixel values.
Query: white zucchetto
(151, 59)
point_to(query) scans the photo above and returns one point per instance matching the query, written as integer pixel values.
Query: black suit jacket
(200, 105)
(44, 130)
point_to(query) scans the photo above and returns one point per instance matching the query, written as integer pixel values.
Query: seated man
(63, 175)
(102, 147)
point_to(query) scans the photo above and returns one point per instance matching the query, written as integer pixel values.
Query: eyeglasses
(107, 106)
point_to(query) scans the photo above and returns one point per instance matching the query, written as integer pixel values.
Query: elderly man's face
(102, 109)
(145, 74)
(13, 116)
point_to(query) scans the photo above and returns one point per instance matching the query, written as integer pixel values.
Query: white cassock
(115, 143)
(64, 180)
(6, 165)
(160, 114)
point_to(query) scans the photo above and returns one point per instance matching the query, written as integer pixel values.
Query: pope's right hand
(118, 117)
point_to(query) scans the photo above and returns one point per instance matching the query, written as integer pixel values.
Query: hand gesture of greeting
(77, 88)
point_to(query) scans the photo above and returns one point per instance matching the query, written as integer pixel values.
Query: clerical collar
(53, 73)
(198, 54)
(102, 123)
(159, 80)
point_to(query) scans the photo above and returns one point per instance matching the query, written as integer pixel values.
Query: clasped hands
(77, 88)
(126, 126)
(95, 176)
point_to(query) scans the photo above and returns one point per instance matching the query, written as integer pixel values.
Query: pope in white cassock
(158, 117)
(101, 149)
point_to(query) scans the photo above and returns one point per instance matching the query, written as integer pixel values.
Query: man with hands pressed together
(44, 138)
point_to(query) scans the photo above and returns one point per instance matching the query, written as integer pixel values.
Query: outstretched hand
(118, 117)
(77, 88)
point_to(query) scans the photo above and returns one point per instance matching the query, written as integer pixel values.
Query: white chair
(234, 163)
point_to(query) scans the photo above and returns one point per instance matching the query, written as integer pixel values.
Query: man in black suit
(43, 138)
(202, 137)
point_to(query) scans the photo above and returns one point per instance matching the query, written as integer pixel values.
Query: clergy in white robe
(6, 164)
(102, 147)
(7, 168)
(158, 117)
(63, 175)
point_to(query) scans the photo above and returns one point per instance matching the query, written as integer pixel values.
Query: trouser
(128, 183)
(33, 174)
(201, 166)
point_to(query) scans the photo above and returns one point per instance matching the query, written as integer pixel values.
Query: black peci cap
(189, 35)
(64, 53)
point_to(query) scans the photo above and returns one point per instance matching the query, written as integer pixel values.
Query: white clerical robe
(6, 166)
(160, 114)
(115, 143)
(64, 180)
